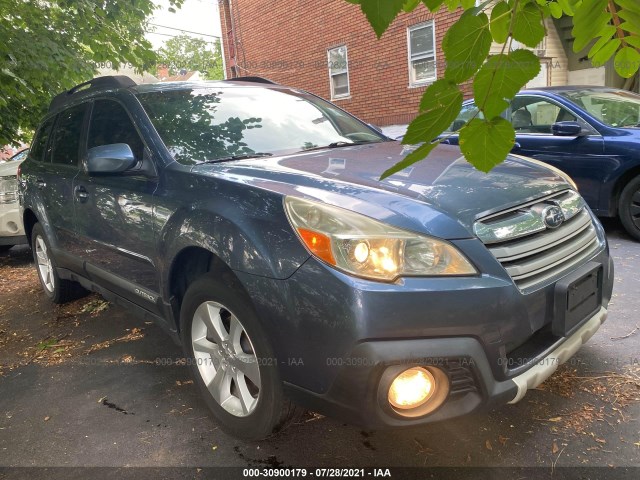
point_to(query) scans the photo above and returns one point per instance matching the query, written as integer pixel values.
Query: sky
(200, 16)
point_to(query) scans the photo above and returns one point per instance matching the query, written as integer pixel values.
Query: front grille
(532, 253)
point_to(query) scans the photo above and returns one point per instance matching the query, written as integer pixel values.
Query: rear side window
(110, 123)
(40, 141)
(66, 138)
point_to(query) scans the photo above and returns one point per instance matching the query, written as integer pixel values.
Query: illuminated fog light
(411, 388)
(361, 252)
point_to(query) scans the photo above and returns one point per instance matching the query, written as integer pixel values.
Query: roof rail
(252, 79)
(98, 83)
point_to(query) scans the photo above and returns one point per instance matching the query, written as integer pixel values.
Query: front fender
(249, 232)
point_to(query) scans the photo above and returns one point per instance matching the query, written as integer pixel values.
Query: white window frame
(332, 72)
(422, 56)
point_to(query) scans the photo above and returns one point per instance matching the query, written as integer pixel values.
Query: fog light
(411, 388)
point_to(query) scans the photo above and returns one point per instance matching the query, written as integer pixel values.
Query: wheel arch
(622, 182)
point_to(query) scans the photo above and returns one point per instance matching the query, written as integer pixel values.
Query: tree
(610, 28)
(188, 53)
(50, 46)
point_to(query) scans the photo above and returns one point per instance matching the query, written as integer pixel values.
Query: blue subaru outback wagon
(248, 220)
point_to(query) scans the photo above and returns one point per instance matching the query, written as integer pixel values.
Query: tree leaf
(556, 10)
(567, 7)
(433, 5)
(410, 5)
(486, 143)
(466, 45)
(381, 13)
(418, 154)
(605, 53)
(441, 104)
(589, 19)
(500, 21)
(501, 77)
(627, 62)
(606, 35)
(527, 25)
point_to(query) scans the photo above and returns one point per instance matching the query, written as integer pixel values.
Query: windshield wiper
(238, 157)
(341, 144)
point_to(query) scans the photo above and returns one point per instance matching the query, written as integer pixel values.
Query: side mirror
(566, 129)
(110, 159)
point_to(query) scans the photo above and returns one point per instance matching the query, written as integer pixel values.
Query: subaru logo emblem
(553, 216)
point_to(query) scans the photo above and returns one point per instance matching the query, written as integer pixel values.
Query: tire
(5, 248)
(57, 289)
(250, 406)
(629, 207)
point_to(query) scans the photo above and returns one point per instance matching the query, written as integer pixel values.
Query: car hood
(8, 169)
(350, 177)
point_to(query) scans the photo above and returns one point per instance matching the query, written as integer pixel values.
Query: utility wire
(185, 31)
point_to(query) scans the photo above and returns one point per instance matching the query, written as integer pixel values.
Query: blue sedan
(591, 133)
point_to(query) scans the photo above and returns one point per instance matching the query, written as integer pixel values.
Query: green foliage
(610, 28)
(501, 77)
(192, 54)
(487, 141)
(48, 47)
(465, 46)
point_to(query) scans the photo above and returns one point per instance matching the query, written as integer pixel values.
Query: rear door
(114, 213)
(53, 173)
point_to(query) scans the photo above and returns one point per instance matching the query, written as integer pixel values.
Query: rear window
(41, 139)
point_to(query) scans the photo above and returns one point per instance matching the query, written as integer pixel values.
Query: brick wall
(287, 41)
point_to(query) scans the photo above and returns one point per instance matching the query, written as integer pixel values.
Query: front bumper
(335, 337)
(11, 228)
(473, 386)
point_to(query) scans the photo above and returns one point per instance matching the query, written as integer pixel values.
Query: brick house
(327, 47)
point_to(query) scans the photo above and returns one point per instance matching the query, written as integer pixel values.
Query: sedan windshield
(616, 108)
(210, 124)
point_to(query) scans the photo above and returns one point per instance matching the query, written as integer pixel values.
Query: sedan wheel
(629, 207)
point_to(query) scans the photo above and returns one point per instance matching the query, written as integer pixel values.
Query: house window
(339, 72)
(422, 56)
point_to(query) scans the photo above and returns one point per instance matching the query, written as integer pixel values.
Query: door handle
(516, 147)
(81, 193)
(40, 183)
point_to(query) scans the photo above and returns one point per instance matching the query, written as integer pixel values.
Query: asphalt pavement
(90, 385)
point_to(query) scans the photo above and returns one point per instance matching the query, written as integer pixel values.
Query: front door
(580, 156)
(114, 213)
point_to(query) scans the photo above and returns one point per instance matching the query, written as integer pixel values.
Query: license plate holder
(577, 297)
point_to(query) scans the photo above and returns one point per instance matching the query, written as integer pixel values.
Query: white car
(11, 228)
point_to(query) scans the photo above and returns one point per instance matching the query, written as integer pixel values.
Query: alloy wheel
(45, 269)
(226, 359)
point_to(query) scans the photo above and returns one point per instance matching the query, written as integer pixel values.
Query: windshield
(616, 108)
(208, 124)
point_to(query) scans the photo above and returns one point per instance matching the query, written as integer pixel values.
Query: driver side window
(536, 115)
(110, 123)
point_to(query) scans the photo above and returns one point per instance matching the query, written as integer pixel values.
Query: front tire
(57, 289)
(231, 360)
(629, 207)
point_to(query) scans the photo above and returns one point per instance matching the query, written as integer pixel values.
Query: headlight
(8, 190)
(367, 248)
